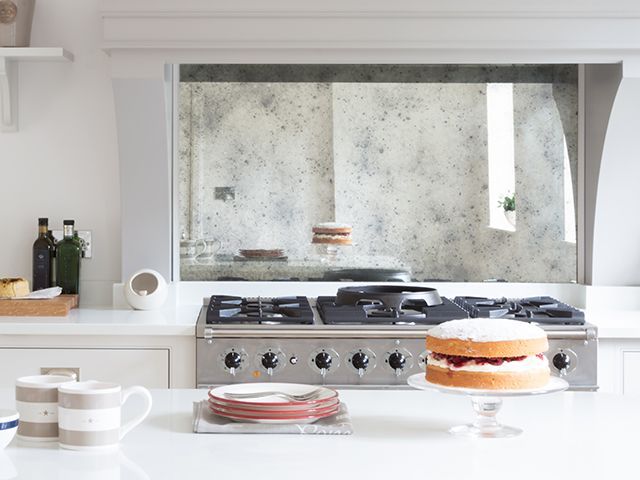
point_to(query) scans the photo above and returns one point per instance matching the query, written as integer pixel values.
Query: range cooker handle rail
(210, 333)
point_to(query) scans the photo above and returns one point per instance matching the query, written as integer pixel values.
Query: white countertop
(175, 321)
(181, 320)
(615, 324)
(179, 316)
(398, 434)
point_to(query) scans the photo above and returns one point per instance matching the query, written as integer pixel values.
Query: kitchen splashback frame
(143, 52)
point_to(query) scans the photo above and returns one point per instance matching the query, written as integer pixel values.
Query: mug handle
(134, 422)
(203, 247)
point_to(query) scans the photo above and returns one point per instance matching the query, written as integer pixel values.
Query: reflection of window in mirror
(501, 156)
(447, 172)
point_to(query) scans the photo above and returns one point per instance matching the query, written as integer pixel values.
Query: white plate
(218, 394)
(555, 384)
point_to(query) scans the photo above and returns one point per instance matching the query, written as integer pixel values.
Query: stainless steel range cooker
(372, 336)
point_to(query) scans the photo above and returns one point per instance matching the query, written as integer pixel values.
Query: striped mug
(37, 403)
(90, 414)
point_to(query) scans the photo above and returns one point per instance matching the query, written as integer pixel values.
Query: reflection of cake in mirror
(332, 233)
(487, 353)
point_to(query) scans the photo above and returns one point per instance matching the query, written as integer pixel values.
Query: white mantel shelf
(9, 58)
(36, 53)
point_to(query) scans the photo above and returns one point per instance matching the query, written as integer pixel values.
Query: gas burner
(375, 312)
(259, 310)
(540, 310)
(391, 296)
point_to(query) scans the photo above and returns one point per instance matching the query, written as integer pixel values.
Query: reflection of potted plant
(508, 204)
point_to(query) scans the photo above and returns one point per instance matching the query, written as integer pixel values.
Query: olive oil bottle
(43, 258)
(68, 253)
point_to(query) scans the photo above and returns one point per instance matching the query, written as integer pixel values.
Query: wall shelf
(10, 57)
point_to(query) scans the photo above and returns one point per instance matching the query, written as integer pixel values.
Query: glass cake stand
(330, 252)
(486, 404)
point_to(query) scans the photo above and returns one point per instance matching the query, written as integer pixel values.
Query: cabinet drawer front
(631, 372)
(146, 367)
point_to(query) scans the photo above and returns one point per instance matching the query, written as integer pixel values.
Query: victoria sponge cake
(332, 233)
(487, 353)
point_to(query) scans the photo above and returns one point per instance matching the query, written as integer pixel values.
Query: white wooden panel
(631, 372)
(146, 367)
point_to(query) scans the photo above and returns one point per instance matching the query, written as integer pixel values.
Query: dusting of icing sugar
(487, 330)
(332, 225)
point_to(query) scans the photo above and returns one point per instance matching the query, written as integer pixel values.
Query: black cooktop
(376, 309)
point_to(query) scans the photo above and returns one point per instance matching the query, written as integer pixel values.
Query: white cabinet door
(146, 367)
(631, 373)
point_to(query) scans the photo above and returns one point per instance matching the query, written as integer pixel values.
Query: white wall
(616, 237)
(63, 162)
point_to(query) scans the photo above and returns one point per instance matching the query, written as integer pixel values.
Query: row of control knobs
(323, 361)
(360, 360)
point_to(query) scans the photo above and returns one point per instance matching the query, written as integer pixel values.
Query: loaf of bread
(13, 287)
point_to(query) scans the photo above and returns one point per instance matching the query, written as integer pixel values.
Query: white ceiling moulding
(435, 31)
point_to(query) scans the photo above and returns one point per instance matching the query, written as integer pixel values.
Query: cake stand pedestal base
(486, 404)
(486, 424)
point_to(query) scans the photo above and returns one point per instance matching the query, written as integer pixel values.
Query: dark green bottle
(54, 242)
(42, 258)
(79, 241)
(68, 254)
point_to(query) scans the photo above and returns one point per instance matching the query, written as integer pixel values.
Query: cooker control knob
(360, 360)
(397, 361)
(232, 360)
(323, 361)
(270, 360)
(561, 361)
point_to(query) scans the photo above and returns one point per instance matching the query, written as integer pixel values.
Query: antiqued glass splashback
(449, 172)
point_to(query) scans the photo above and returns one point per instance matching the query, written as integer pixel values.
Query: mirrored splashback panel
(447, 172)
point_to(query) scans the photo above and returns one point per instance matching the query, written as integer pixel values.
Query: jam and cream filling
(336, 236)
(482, 364)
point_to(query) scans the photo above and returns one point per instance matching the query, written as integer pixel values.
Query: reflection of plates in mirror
(261, 254)
(486, 405)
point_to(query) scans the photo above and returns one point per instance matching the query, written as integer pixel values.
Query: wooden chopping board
(50, 307)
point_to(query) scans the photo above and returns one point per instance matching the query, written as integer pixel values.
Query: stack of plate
(262, 254)
(273, 402)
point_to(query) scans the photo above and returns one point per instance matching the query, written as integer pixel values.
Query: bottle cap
(43, 221)
(68, 222)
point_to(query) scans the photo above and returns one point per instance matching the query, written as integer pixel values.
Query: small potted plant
(508, 204)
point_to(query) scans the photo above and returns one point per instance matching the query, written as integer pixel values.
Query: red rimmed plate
(324, 394)
(256, 411)
(273, 420)
(276, 408)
